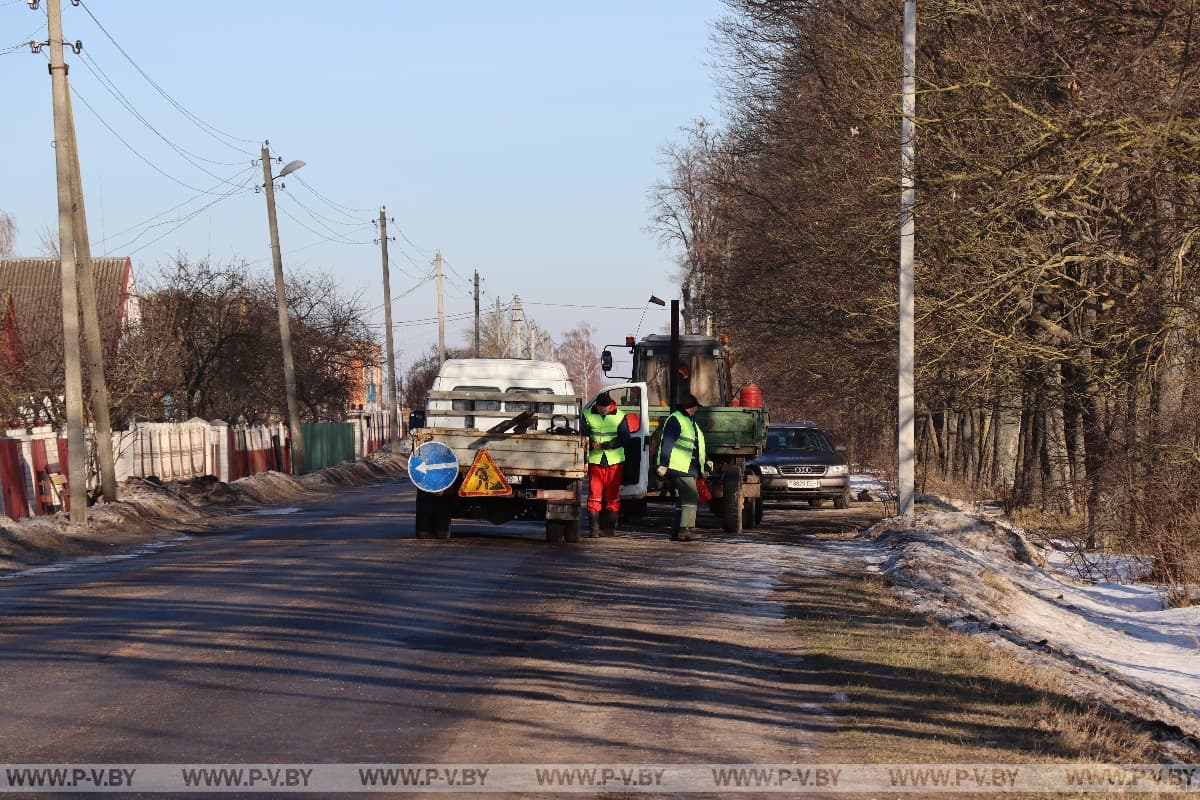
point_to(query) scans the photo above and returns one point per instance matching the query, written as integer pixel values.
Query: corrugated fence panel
(327, 443)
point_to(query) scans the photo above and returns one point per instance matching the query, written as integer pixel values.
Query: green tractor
(734, 424)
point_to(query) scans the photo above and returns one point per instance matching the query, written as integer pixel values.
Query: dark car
(799, 463)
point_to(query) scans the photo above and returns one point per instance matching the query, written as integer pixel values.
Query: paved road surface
(332, 635)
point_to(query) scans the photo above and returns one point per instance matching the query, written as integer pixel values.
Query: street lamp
(285, 332)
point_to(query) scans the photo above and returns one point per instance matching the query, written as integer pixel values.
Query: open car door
(632, 399)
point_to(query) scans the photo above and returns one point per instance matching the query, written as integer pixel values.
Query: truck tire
(441, 525)
(732, 516)
(555, 530)
(842, 500)
(423, 516)
(759, 508)
(750, 512)
(571, 531)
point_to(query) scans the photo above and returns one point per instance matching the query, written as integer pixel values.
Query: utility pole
(441, 310)
(285, 331)
(393, 404)
(73, 391)
(518, 322)
(477, 313)
(91, 323)
(906, 406)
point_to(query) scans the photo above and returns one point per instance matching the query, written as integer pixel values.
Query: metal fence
(33, 464)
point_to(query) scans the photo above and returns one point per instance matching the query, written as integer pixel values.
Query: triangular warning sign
(484, 479)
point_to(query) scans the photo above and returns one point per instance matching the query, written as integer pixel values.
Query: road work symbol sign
(433, 467)
(484, 479)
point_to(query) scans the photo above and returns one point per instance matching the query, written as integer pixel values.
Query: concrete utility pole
(437, 260)
(477, 313)
(73, 391)
(393, 404)
(91, 323)
(285, 331)
(906, 418)
(518, 323)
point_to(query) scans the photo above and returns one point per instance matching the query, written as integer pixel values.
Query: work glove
(662, 472)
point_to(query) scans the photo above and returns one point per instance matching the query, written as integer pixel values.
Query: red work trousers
(604, 486)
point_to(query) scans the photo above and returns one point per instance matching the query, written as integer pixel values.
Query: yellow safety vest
(689, 442)
(603, 429)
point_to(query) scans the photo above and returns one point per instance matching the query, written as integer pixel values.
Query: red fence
(33, 473)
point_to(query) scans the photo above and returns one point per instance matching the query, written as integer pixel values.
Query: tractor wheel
(732, 516)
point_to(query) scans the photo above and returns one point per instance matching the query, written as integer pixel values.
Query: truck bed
(545, 454)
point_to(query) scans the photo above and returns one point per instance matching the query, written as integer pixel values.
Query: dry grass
(916, 692)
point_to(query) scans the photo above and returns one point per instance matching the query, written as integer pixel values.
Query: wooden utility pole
(285, 331)
(477, 313)
(393, 404)
(906, 406)
(91, 323)
(441, 311)
(73, 390)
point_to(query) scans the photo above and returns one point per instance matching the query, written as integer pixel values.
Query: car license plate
(807, 483)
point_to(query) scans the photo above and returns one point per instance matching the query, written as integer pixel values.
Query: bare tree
(580, 356)
(8, 234)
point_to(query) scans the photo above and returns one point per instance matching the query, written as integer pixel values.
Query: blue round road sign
(433, 467)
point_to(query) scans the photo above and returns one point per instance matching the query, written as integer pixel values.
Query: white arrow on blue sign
(433, 467)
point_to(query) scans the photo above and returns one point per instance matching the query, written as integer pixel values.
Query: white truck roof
(503, 373)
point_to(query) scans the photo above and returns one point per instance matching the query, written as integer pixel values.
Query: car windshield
(796, 439)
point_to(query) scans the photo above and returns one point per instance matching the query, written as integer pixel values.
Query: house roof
(35, 285)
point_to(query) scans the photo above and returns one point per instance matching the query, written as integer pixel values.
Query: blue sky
(520, 138)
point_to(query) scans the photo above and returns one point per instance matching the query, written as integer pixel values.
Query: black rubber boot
(593, 525)
(608, 523)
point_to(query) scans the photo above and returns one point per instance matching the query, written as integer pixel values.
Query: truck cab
(541, 387)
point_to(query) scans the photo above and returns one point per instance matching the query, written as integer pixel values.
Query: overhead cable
(211, 130)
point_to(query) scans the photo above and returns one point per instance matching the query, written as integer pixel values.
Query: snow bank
(1117, 640)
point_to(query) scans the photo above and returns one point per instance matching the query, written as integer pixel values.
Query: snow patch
(978, 574)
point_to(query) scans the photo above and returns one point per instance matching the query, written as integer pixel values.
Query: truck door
(632, 399)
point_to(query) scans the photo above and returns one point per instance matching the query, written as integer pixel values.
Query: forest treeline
(1057, 159)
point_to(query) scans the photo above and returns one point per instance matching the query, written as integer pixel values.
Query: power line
(339, 240)
(581, 305)
(108, 83)
(212, 131)
(21, 45)
(240, 190)
(192, 199)
(133, 149)
(331, 203)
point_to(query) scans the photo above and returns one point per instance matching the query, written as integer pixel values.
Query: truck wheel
(571, 531)
(751, 513)
(759, 508)
(732, 516)
(842, 500)
(814, 502)
(554, 530)
(442, 525)
(423, 517)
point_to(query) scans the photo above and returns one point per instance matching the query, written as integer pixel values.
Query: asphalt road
(332, 635)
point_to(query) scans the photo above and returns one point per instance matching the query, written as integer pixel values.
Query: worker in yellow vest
(682, 459)
(608, 430)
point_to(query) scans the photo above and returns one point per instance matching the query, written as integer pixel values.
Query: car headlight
(768, 470)
(837, 469)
